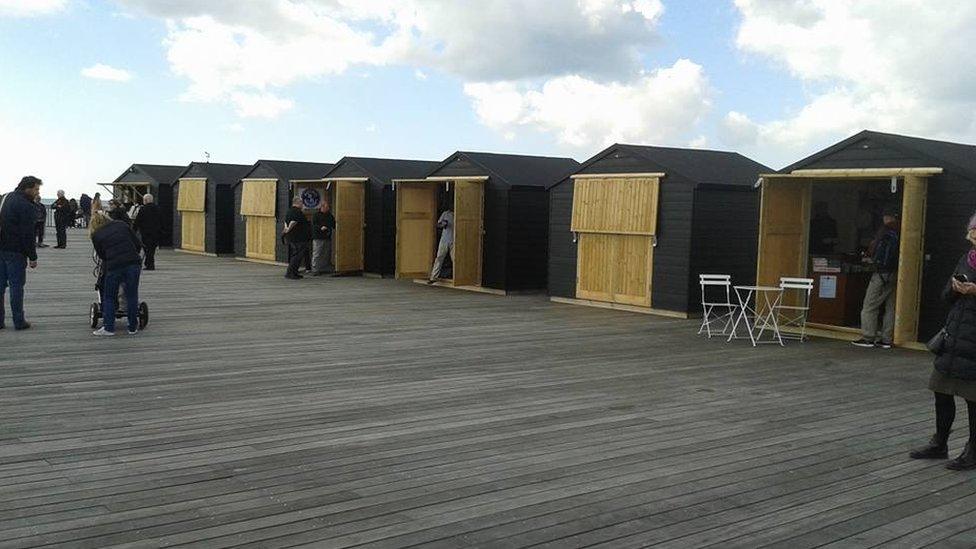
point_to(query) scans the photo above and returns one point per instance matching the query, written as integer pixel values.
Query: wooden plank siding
(522, 423)
(528, 235)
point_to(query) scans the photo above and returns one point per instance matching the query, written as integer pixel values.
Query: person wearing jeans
(17, 247)
(118, 248)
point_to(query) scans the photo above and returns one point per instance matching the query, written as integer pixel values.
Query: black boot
(965, 461)
(937, 448)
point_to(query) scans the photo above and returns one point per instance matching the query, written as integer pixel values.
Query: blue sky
(318, 79)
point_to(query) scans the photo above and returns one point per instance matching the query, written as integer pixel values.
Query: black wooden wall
(528, 224)
(240, 225)
(951, 201)
(562, 249)
(177, 218)
(724, 236)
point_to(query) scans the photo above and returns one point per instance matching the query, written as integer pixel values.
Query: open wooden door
(616, 220)
(910, 256)
(192, 206)
(416, 210)
(469, 199)
(350, 202)
(784, 224)
(258, 198)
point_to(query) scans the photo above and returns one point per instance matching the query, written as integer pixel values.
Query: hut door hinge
(575, 237)
(654, 241)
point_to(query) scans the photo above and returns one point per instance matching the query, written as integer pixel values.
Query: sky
(92, 86)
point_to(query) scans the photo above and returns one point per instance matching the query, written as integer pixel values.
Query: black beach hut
(821, 213)
(203, 221)
(155, 179)
(635, 225)
(262, 198)
(500, 219)
(361, 196)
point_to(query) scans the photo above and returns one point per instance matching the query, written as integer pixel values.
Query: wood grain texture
(258, 197)
(192, 195)
(333, 412)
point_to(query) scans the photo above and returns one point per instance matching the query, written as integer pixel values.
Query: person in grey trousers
(323, 227)
(883, 253)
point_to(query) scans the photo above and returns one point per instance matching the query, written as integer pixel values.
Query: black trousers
(149, 246)
(62, 231)
(296, 256)
(39, 230)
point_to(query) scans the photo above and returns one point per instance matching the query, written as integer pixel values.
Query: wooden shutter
(258, 197)
(910, 257)
(784, 224)
(193, 230)
(262, 236)
(416, 208)
(192, 195)
(469, 198)
(594, 277)
(349, 212)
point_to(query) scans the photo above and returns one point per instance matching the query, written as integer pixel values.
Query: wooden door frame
(914, 181)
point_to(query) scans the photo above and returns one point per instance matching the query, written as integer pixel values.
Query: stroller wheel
(94, 314)
(143, 315)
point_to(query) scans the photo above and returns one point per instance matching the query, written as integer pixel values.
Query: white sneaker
(132, 333)
(102, 332)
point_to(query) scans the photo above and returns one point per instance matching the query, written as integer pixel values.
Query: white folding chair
(718, 308)
(794, 305)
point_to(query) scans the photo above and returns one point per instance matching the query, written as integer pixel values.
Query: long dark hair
(28, 182)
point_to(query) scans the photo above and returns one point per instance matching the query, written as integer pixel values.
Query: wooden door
(349, 205)
(784, 224)
(469, 199)
(261, 235)
(416, 210)
(193, 231)
(910, 257)
(632, 269)
(594, 277)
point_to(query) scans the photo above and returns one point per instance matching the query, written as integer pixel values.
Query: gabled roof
(519, 170)
(222, 174)
(289, 170)
(943, 154)
(385, 170)
(698, 165)
(160, 173)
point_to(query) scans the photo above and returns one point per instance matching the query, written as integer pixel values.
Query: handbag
(937, 343)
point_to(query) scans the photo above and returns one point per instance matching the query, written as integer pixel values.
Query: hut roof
(519, 170)
(160, 173)
(386, 169)
(221, 174)
(289, 170)
(957, 156)
(698, 165)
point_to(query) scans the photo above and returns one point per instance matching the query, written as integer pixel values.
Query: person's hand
(964, 288)
(32, 264)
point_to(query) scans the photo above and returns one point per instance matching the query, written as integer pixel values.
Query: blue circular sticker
(311, 198)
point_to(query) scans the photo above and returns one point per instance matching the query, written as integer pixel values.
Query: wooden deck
(334, 412)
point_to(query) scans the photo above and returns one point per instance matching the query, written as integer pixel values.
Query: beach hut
(155, 179)
(361, 195)
(634, 227)
(500, 219)
(820, 214)
(204, 218)
(262, 198)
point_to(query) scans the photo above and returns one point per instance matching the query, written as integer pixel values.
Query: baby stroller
(95, 311)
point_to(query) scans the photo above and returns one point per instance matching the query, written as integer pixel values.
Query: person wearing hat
(883, 253)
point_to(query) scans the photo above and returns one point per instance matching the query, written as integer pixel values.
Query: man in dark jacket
(883, 254)
(62, 215)
(148, 224)
(118, 248)
(85, 204)
(40, 219)
(17, 248)
(297, 232)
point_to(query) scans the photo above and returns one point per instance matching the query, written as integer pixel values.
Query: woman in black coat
(955, 362)
(118, 248)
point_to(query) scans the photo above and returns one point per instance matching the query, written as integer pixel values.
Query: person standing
(297, 232)
(883, 253)
(85, 204)
(116, 212)
(148, 223)
(954, 370)
(62, 210)
(73, 209)
(17, 246)
(323, 227)
(446, 224)
(118, 248)
(40, 220)
(97, 203)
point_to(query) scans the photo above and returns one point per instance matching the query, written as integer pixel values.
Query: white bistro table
(757, 313)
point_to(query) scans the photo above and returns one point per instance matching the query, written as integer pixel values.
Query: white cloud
(660, 107)
(260, 105)
(420, 75)
(371, 128)
(100, 71)
(31, 8)
(892, 65)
